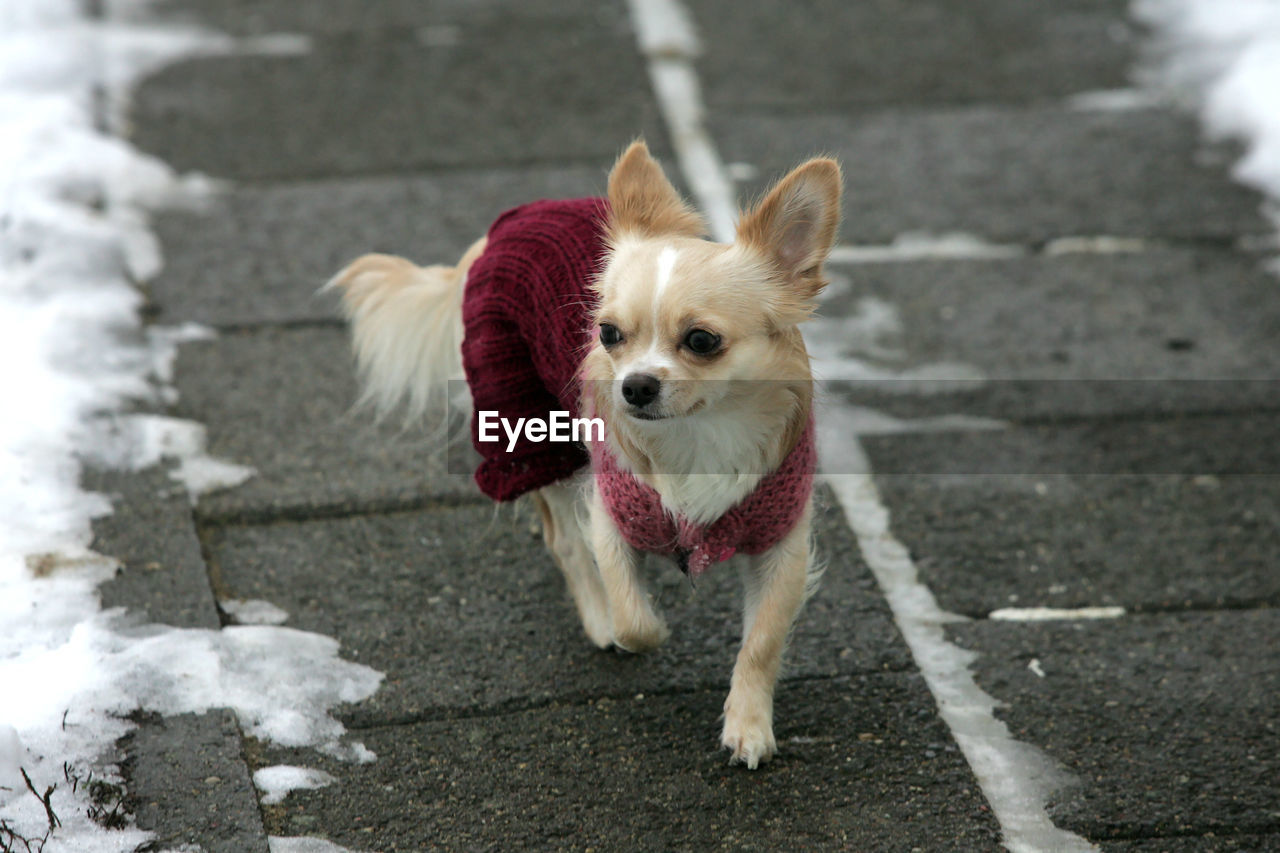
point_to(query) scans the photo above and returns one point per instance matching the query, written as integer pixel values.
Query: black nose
(640, 389)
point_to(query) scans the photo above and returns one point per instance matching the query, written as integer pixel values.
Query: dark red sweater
(526, 316)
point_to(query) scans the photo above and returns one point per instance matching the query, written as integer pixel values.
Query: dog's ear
(795, 224)
(642, 200)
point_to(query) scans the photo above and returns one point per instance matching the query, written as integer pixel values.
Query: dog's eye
(609, 334)
(702, 342)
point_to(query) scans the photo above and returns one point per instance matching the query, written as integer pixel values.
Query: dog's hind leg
(562, 528)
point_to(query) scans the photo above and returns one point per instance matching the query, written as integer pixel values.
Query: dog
(688, 352)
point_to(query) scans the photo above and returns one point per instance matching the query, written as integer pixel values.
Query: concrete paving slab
(1164, 330)
(1143, 542)
(386, 102)
(464, 610)
(162, 574)
(280, 400)
(268, 17)
(865, 764)
(1021, 175)
(1168, 721)
(820, 54)
(253, 256)
(189, 784)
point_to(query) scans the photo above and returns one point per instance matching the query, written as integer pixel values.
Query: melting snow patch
(65, 695)
(253, 611)
(276, 782)
(74, 241)
(1223, 57)
(136, 441)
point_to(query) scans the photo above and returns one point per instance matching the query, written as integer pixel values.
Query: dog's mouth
(654, 415)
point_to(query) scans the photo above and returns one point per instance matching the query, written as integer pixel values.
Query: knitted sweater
(527, 323)
(526, 318)
(756, 524)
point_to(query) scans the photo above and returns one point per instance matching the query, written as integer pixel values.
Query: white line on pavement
(922, 246)
(668, 41)
(1015, 777)
(1051, 614)
(1113, 101)
(960, 246)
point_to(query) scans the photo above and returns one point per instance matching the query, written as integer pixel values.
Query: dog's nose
(640, 389)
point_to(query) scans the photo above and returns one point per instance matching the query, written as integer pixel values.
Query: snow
(137, 441)
(279, 681)
(253, 611)
(276, 782)
(74, 238)
(1223, 57)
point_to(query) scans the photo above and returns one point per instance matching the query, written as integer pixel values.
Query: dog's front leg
(559, 505)
(636, 626)
(775, 585)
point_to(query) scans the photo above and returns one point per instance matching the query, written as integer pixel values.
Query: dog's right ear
(642, 201)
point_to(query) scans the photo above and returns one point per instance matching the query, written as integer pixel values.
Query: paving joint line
(520, 705)
(425, 170)
(1195, 831)
(953, 247)
(1133, 418)
(212, 571)
(1145, 417)
(267, 516)
(1228, 606)
(241, 327)
(872, 106)
(247, 760)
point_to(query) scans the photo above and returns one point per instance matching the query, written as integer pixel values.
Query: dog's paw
(748, 733)
(599, 634)
(641, 637)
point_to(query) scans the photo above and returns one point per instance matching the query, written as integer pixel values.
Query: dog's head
(687, 326)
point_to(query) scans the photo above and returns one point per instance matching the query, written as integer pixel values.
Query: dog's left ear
(795, 225)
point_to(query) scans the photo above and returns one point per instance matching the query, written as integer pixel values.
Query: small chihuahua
(690, 354)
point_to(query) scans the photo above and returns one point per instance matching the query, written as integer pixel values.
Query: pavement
(1137, 468)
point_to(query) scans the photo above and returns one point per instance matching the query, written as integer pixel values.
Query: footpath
(1114, 319)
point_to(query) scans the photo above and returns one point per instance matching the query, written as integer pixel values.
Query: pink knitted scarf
(753, 526)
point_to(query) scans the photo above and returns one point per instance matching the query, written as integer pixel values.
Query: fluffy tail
(406, 330)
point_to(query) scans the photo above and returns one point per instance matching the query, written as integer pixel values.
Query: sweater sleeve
(503, 380)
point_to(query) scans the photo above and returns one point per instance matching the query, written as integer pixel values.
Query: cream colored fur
(406, 331)
(722, 420)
